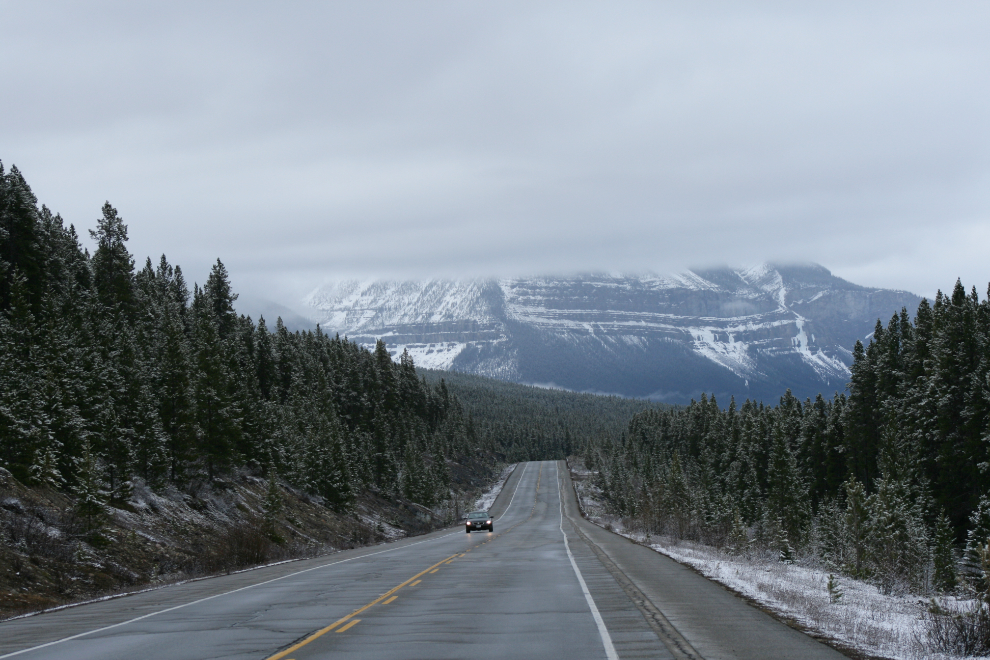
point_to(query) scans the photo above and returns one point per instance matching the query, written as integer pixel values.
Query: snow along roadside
(863, 619)
(486, 501)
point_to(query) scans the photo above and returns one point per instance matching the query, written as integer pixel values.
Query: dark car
(478, 520)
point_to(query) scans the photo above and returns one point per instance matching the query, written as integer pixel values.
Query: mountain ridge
(748, 332)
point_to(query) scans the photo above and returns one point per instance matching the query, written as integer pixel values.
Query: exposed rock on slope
(745, 332)
(50, 556)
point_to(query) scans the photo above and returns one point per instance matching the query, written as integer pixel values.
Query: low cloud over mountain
(749, 332)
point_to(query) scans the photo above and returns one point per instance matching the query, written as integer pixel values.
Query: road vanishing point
(545, 584)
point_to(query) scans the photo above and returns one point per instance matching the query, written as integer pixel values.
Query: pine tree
(856, 523)
(738, 539)
(977, 538)
(414, 477)
(862, 418)
(273, 503)
(20, 404)
(786, 494)
(44, 471)
(217, 414)
(220, 299)
(782, 543)
(678, 498)
(90, 490)
(113, 266)
(896, 538)
(176, 404)
(21, 253)
(943, 556)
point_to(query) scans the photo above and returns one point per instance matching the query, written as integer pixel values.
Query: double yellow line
(349, 620)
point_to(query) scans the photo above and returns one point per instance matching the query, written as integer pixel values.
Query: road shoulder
(714, 622)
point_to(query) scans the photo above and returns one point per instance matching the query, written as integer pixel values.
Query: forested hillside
(108, 372)
(147, 429)
(887, 481)
(529, 423)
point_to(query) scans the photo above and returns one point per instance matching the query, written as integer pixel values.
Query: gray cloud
(304, 141)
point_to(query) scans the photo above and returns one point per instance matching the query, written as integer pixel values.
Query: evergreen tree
(977, 537)
(21, 253)
(943, 556)
(786, 494)
(273, 503)
(113, 266)
(896, 537)
(856, 524)
(90, 489)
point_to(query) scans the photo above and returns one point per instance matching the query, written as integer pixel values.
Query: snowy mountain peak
(747, 331)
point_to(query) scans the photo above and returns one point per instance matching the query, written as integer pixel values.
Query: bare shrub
(39, 533)
(237, 547)
(954, 628)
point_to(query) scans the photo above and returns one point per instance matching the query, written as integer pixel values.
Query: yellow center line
(320, 633)
(389, 596)
(349, 625)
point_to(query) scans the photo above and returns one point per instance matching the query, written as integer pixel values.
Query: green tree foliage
(885, 482)
(107, 374)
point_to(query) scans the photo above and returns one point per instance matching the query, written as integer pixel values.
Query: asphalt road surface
(544, 584)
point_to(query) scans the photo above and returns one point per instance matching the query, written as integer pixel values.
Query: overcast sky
(301, 142)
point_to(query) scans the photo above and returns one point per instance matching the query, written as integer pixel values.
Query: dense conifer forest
(114, 377)
(530, 423)
(110, 372)
(888, 481)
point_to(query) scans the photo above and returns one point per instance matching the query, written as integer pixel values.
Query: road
(545, 584)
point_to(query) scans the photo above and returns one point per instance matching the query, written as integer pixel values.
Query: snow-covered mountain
(746, 332)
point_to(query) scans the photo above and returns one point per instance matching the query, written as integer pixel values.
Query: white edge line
(258, 584)
(516, 490)
(602, 630)
(169, 585)
(203, 600)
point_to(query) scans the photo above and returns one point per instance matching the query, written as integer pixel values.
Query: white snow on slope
(766, 278)
(486, 501)
(352, 307)
(881, 625)
(863, 618)
(824, 365)
(436, 320)
(439, 355)
(731, 354)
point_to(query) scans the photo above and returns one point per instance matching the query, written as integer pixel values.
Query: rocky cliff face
(744, 332)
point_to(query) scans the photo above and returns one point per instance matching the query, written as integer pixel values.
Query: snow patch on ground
(823, 365)
(439, 355)
(383, 526)
(731, 354)
(863, 618)
(486, 501)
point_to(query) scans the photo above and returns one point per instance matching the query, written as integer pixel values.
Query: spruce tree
(90, 489)
(943, 555)
(20, 244)
(273, 504)
(977, 537)
(113, 266)
(896, 538)
(856, 523)
(786, 495)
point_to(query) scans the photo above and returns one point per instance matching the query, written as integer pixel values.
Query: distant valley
(751, 333)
